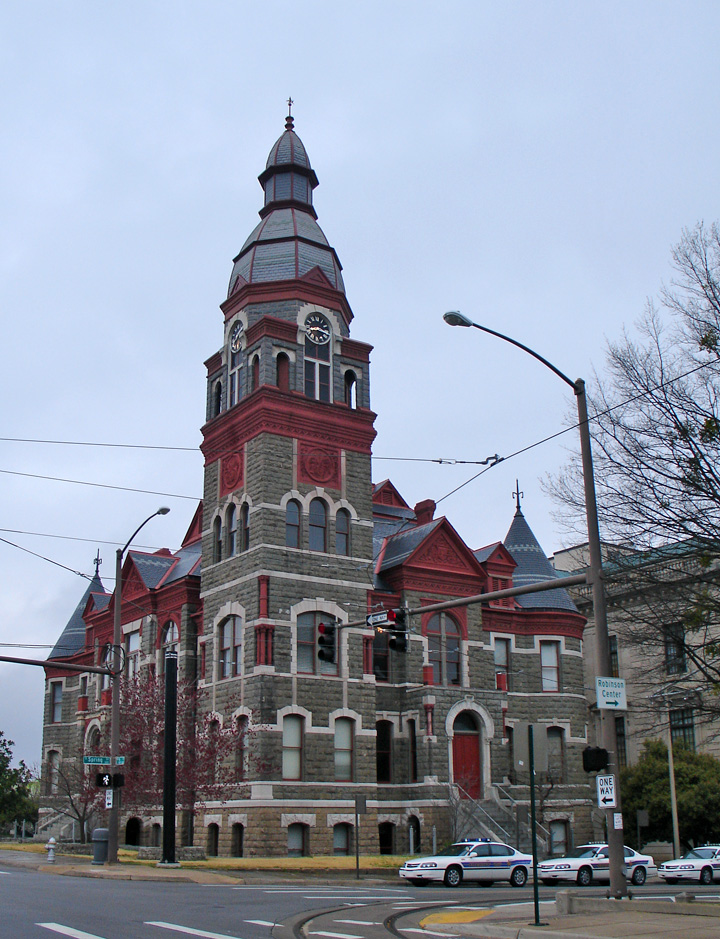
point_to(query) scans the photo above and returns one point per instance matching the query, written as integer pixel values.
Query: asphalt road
(35, 905)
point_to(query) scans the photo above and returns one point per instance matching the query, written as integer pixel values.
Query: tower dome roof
(288, 243)
(533, 567)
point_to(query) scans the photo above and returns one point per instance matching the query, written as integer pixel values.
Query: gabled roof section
(532, 568)
(385, 494)
(495, 554)
(194, 532)
(72, 638)
(150, 568)
(433, 546)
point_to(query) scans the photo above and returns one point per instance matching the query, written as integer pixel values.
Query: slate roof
(401, 546)
(157, 569)
(288, 243)
(72, 638)
(532, 568)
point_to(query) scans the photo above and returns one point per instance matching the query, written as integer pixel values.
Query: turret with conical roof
(533, 567)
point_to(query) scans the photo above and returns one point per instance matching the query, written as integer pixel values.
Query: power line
(83, 482)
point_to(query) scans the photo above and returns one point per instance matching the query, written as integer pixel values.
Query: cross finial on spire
(289, 123)
(98, 562)
(517, 494)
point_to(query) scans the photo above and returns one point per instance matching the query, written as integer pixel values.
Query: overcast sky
(529, 163)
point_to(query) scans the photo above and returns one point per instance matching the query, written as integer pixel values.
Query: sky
(528, 163)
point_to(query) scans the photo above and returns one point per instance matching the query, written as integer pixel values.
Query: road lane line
(259, 922)
(68, 931)
(334, 935)
(356, 922)
(189, 931)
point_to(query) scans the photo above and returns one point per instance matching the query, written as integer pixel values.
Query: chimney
(424, 511)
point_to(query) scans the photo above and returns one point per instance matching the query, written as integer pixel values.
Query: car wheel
(418, 881)
(518, 877)
(453, 876)
(638, 876)
(706, 876)
(584, 877)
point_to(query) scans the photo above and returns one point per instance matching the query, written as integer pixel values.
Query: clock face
(236, 337)
(317, 329)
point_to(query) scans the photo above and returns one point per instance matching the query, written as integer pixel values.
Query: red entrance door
(466, 763)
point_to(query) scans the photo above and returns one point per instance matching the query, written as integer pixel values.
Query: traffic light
(595, 759)
(104, 780)
(118, 780)
(397, 624)
(327, 642)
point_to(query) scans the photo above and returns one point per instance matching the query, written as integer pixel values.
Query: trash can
(100, 845)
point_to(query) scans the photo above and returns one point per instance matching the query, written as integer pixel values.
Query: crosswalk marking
(68, 931)
(259, 922)
(189, 931)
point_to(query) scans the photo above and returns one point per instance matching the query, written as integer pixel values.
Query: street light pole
(114, 814)
(616, 849)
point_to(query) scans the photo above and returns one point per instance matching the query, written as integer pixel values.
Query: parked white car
(476, 861)
(590, 862)
(700, 864)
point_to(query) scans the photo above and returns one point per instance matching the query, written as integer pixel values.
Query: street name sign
(377, 619)
(103, 760)
(606, 794)
(611, 694)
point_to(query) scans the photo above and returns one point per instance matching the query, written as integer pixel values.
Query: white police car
(700, 864)
(591, 862)
(477, 861)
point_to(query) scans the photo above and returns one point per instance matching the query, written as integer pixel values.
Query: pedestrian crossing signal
(104, 780)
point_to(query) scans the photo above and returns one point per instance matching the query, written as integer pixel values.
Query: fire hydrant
(50, 848)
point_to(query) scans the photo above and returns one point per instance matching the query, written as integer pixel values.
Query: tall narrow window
(244, 527)
(621, 741)
(282, 366)
(342, 532)
(344, 749)
(217, 399)
(614, 660)
(317, 526)
(230, 647)
(317, 357)
(56, 691)
(502, 663)
(292, 524)
(241, 752)
(675, 663)
(231, 524)
(412, 747)
(682, 727)
(53, 771)
(556, 754)
(217, 540)
(550, 666)
(235, 367)
(383, 751)
(351, 389)
(256, 373)
(292, 747)
(168, 641)
(381, 657)
(132, 653)
(443, 635)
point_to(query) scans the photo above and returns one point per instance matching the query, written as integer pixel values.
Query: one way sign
(606, 795)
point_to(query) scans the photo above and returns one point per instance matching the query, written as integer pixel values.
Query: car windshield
(454, 850)
(699, 852)
(582, 852)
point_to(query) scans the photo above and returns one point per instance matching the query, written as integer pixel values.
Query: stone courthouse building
(292, 536)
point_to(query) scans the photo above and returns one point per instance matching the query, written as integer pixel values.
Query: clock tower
(287, 531)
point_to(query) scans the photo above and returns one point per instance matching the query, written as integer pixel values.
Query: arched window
(383, 751)
(53, 772)
(341, 839)
(351, 389)
(344, 734)
(466, 756)
(168, 640)
(235, 377)
(444, 649)
(244, 527)
(236, 840)
(317, 526)
(307, 645)
(213, 838)
(256, 373)
(230, 647)
(217, 399)
(297, 840)
(231, 526)
(282, 372)
(556, 754)
(292, 524)
(292, 742)
(342, 532)
(217, 540)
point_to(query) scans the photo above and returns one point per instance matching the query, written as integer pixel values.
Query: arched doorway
(133, 830)
(213, 838)
(386, 837)
(467, 773)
